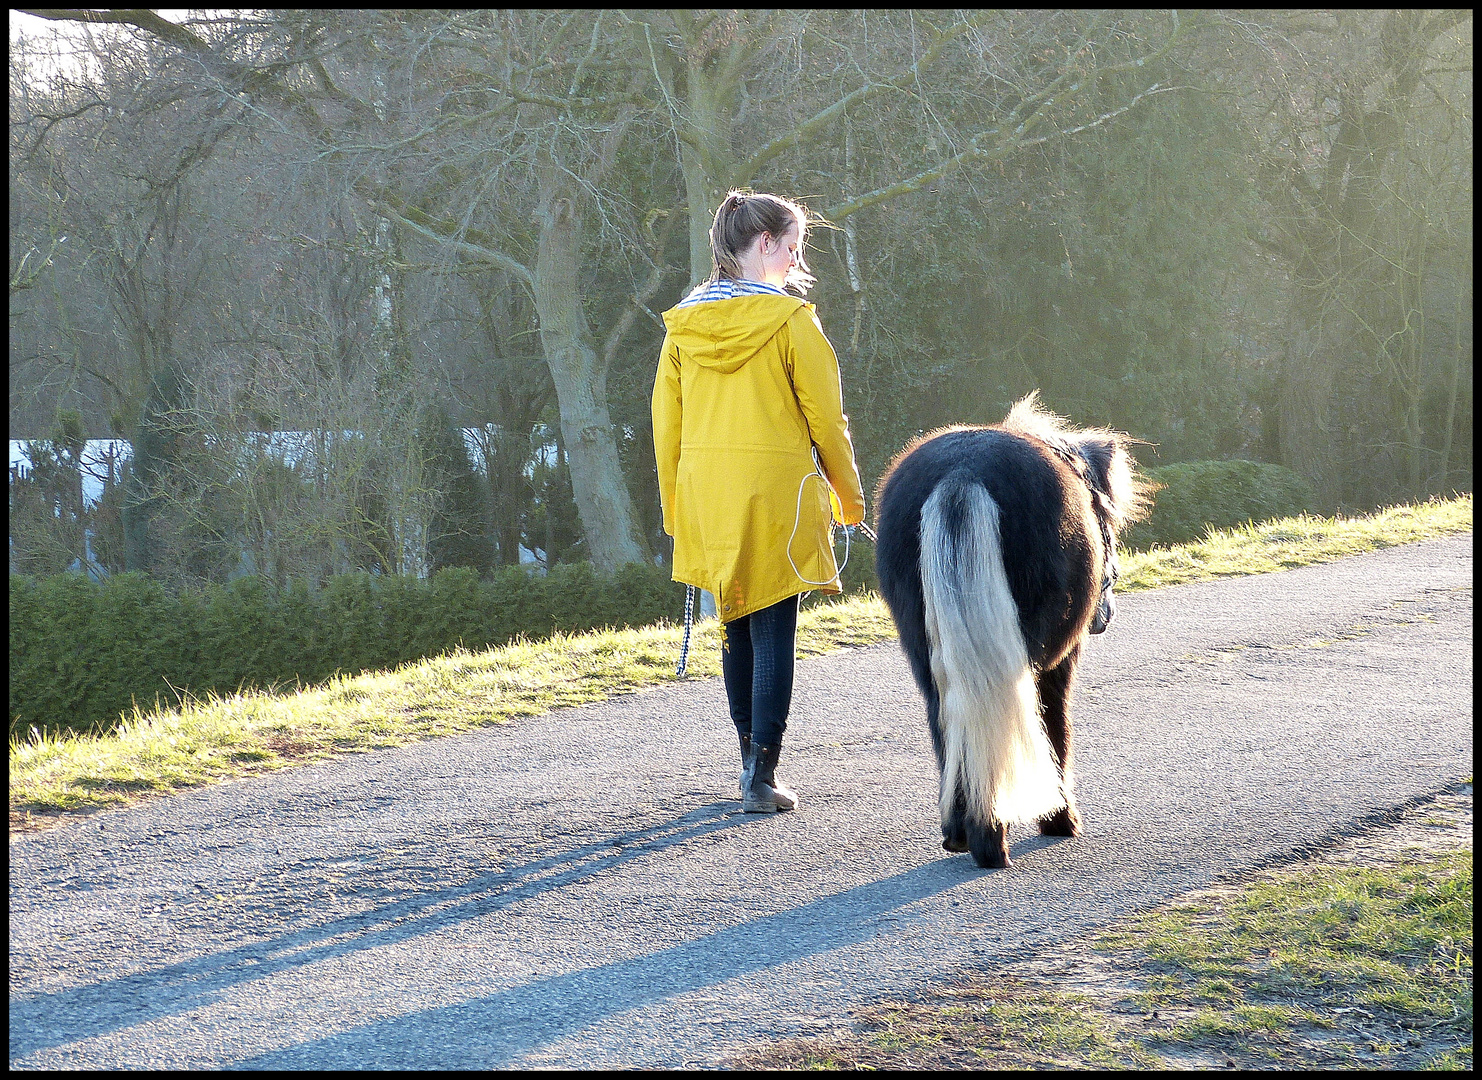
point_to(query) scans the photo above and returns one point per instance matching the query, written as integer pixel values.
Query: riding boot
(763, 795)
(746, 762)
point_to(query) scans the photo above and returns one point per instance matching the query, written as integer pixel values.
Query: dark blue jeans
(756, 656)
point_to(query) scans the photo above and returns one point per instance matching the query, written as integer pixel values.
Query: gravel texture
(581, 890)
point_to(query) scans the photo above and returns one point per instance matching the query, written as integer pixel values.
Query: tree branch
(21, 278)
(1015, 140)
(825, 118)
(638, 302)
(471, 243)
(253, 81)
(140, 18)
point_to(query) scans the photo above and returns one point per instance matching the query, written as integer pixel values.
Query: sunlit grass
(227, 735)
(1394, 940)
(1291, 542)
(221, 736)
(1318, 966)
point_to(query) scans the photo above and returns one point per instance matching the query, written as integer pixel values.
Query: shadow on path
(38, 1021)
(497, 1028)
(490, 1031)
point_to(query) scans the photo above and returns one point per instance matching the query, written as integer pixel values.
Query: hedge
(83, 652)
(1201, 495)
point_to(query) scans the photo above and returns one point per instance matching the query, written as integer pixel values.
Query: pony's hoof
(954, 833)
(1063, 822)
(989, 846)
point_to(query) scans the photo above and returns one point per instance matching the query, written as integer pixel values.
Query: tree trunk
(597, 484)
(505, 453)
(709, 125)
(707, 155)
(1309, 367)
(702, 199)
(1414, 371)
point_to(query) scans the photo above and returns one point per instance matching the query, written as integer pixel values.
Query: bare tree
(561, 109)
(1365, 123)
(499, 46)
(731, 89)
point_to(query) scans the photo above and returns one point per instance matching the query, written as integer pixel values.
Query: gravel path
(581, 889)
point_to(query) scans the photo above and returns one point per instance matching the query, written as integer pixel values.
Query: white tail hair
(993, 739)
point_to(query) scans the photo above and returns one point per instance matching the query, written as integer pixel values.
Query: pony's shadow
(501, 1027)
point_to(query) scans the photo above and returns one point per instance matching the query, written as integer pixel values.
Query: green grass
(1292, 542)
(219, 737)
(1354, 932)
(1392, 944)
(1313, 966)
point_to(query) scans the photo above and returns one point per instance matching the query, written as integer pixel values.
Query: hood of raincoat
(723, 334)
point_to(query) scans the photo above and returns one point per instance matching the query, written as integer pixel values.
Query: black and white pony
(996, 553)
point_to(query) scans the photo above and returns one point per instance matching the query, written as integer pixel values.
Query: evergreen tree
(458, 530)
(154, 453)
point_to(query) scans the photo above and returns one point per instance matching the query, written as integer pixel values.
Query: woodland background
(379, 291)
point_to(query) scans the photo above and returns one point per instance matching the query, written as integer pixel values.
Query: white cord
(798, 518)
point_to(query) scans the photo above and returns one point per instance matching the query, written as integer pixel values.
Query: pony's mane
(1130, 494)
(1030, 417)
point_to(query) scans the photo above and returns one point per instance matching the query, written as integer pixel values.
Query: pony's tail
(993, 740)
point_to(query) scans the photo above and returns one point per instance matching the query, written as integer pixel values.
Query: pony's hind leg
(1054, 694)
(962, 831)
(989, 843)
(954, 825)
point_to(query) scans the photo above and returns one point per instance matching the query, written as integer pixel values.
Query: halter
(1100, 503)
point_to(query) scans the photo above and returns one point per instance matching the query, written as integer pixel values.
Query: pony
(996, 553)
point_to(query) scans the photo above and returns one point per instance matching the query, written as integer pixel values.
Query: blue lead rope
(689, 611)
(689, 622)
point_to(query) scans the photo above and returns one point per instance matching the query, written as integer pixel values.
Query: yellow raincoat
(746, 388)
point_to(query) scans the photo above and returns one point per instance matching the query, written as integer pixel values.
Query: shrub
(82, 652)
(1201, 495)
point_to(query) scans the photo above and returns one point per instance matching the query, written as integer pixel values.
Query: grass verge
(1326, 964)
(1291, 542)
(220, 737)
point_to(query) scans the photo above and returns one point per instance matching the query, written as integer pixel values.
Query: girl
(754, 461)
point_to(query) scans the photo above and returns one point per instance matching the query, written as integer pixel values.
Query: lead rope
(689, 622)
(848, 529)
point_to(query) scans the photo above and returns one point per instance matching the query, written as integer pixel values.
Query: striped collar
(726, 288)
